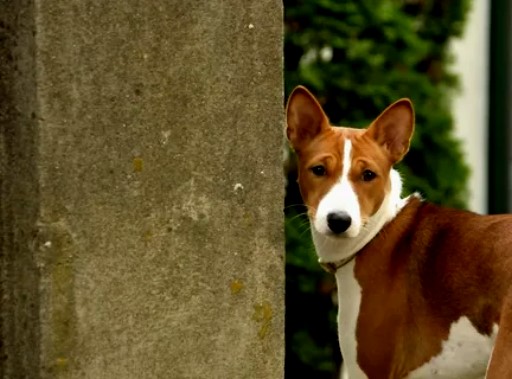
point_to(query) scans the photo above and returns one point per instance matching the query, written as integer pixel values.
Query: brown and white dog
(424, 291)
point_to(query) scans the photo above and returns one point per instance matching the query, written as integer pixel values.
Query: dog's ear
(305, 118)
(393, 129)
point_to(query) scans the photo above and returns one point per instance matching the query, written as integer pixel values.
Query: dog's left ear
(393, 129)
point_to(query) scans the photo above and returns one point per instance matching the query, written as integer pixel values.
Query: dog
(424, 291)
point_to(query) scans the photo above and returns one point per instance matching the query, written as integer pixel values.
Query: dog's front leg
(500, 365)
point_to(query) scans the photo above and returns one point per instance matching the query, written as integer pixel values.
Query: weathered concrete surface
(141, 189)
(19, 193)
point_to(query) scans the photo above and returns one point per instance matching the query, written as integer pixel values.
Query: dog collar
(332, 267)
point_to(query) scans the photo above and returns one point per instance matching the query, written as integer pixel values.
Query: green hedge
(357, 57)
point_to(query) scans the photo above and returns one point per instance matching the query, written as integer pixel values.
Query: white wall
(470, 106)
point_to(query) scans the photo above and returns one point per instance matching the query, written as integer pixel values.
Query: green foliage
(357, 57)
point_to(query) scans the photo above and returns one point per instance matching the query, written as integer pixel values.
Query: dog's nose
(338, 222)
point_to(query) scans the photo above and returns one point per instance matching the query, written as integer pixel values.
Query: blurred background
(452, 58)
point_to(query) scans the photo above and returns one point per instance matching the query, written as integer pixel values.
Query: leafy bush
(358, 57)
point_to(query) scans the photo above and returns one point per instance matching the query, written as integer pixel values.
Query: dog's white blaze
(340, 198)
(465, 354)
(331, 249)
(349, 301)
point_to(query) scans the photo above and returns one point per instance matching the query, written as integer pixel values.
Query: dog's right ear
(305, 118)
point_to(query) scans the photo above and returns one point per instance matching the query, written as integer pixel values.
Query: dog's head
(345, 174)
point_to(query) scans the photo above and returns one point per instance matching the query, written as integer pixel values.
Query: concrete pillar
(141, 189)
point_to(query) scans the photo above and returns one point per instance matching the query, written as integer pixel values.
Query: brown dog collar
(332, 267)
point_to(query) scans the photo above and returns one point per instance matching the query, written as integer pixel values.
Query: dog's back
(434, 287)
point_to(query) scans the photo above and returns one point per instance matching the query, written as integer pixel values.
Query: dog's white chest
(349, 300)
(465, 355)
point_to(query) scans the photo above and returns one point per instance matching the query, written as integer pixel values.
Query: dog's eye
(368, 175)
(318, 170)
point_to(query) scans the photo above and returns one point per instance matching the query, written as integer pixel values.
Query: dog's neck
(338, 250)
